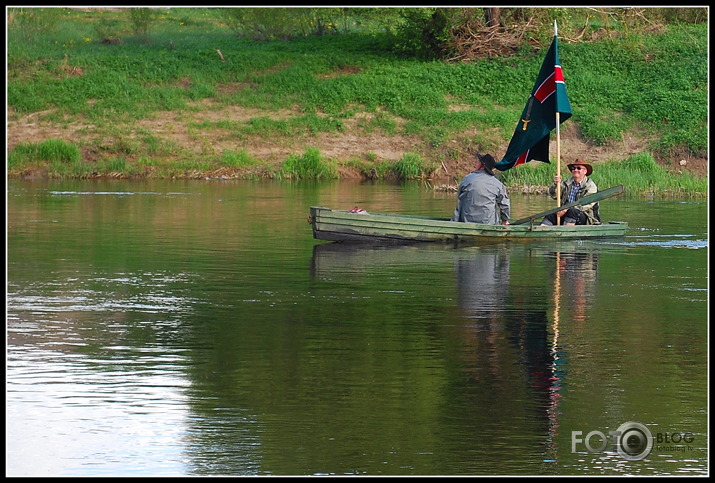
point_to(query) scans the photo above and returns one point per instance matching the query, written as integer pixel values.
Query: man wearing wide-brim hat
(481, 197)
(573, 189)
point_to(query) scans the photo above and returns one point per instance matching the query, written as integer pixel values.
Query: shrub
(410, 166)
(308, 166)
(31, 22)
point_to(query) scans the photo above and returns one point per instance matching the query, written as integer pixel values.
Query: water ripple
(666, 241)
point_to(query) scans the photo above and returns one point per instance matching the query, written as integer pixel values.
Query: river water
(195, 328)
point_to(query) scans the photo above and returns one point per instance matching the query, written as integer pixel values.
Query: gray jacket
(482, 198)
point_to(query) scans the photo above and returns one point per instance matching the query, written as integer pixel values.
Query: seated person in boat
(481, 197)
(573, 189)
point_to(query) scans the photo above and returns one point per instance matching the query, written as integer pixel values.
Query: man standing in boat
(573, 189)
(481, 197)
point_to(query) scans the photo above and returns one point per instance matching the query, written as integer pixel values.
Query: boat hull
(345, 226)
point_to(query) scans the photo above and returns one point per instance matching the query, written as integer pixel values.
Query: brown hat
(488, 162)
(581, 162)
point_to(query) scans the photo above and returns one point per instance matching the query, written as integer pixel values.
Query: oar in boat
(616, 190)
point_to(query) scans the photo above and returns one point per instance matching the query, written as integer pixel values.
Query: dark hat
(581, 162)
(488, 162)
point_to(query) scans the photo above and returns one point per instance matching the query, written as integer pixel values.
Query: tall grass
(310, 165)
(639, 174)
(60, 158)
(410, 167)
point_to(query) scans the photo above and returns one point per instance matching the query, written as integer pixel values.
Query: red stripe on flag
(559, 73)
(546, 88)
(522, 159)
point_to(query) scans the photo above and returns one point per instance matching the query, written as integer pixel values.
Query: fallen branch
(473, 41)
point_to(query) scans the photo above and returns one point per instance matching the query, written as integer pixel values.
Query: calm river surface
(197, 329)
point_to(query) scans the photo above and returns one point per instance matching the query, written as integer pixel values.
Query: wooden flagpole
(558, 142)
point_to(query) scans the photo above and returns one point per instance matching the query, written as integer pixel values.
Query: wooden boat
(348, 226)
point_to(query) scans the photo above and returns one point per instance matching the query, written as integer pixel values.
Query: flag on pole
(531, 136)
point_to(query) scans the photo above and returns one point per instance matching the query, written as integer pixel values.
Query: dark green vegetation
(107, 71)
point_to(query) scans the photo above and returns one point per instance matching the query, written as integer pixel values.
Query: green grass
(639, 173)
(239, 159)
(308, 166)
(61, 64)
(60, 158)
(410, 167)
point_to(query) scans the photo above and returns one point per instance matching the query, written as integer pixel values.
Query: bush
(410, 166)
(308, 166)
(31, 22)
(141, 19)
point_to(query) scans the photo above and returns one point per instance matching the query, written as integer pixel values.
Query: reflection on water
(528, 317)
(507, 339)
(84, 410)
(179, 329)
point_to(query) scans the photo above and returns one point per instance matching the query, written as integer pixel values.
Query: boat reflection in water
(501, 337)
(509, 313)
(507, 340)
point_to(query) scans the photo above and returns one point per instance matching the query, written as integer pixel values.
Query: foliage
(112, 166)
(141, 19)
(109, 30)
(308, 166)
(411, 166)
(51, 150)
(60, 159)
(424, 32)
(31, 22)
(263, 24)
(639, 173)
(647, 77)
(240, 159)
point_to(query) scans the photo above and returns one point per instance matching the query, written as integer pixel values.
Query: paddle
(616, 190)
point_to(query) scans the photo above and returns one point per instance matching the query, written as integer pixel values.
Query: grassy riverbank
(188, 99)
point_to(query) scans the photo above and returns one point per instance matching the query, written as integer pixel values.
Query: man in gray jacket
(482, 198)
